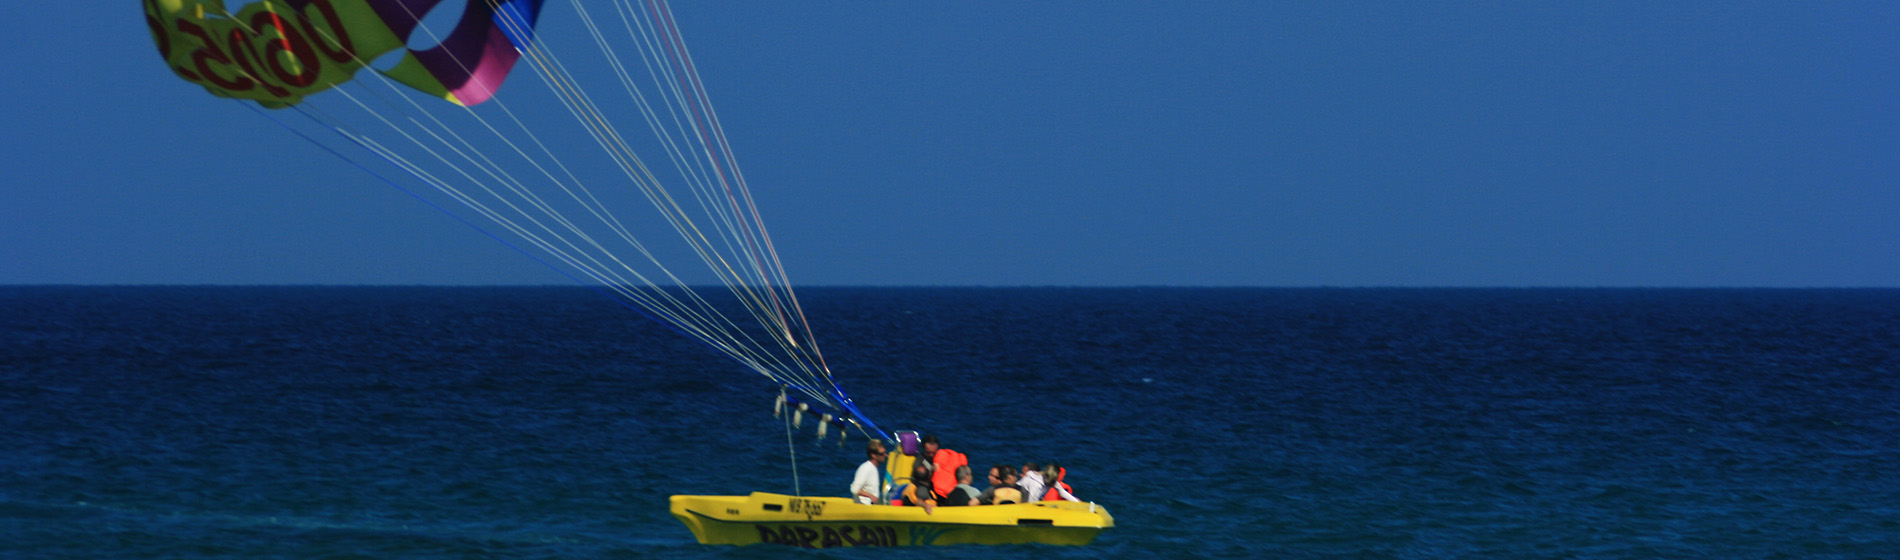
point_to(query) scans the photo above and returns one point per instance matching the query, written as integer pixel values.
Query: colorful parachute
(278, 51)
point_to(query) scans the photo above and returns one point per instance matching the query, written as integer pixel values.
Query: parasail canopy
(276, 52)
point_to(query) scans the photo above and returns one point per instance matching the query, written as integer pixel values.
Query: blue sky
(1077, 143)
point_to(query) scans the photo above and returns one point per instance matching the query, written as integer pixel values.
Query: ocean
(540, 422)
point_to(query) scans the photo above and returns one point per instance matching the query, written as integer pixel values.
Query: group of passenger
(942, 477)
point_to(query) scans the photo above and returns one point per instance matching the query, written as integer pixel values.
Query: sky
(1102, 143)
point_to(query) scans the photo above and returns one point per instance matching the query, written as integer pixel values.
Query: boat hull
(764, 518)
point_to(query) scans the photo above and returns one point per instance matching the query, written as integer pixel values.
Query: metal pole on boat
(792, 450)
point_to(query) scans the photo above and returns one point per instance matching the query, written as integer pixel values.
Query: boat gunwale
(1037, 526)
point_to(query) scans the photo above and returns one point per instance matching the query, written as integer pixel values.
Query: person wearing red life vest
(1057, 490)
(945, 461)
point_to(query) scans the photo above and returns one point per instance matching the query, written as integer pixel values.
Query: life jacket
(913, 496)
(945, 477)
(1007, 495)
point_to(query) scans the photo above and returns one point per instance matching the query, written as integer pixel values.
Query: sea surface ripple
(417, 422)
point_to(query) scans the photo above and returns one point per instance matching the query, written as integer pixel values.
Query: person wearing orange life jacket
(945, 461)
(1057, 490)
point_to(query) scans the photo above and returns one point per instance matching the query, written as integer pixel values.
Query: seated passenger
(1031, 482)
(1003, 488)
(963, 494)
(919, 492)
(945, 461)
(1058, 490)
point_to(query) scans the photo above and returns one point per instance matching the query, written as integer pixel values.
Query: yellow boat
(809, 522)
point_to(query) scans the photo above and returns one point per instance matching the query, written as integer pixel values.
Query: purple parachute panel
(477, 55)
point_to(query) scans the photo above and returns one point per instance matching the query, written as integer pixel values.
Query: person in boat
(945, 461)
(1003, 488)
(919, 492)
(1058, 490)
(1031, 482)
(867, 485)
(927, 449)
(964, 494)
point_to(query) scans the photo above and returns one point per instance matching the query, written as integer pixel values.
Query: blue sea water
(416, 422)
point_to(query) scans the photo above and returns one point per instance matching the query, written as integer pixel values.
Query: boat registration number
(808, 508)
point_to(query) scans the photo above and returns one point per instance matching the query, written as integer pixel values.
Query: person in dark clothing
(963, 494)
(1003, 488)
(919, 492)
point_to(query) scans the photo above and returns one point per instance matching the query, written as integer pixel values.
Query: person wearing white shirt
(868, 486)
(1031, 482)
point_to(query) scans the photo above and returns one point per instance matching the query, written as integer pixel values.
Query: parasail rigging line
(639, 101)
(696, 178)
(663, 22)
(646, 38)
(447, 187)
(736, 248)
(674, 211)
(425, 200)
(686, 62)
(620, 72)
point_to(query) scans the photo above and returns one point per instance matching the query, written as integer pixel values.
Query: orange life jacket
(944, 479)
(910, 497)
